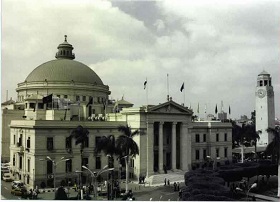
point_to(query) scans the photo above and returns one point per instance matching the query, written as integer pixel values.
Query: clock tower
(265, 111)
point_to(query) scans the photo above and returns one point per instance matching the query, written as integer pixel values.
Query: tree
(81, 136)
(273, 148)
(127, 147)
(250, 134)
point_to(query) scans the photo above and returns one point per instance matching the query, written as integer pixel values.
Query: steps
(158, 179)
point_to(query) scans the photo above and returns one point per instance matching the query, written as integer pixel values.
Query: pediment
(170, 107)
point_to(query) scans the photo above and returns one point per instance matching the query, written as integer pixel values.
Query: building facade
(168, 138)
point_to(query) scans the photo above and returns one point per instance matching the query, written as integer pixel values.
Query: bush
(205, 197)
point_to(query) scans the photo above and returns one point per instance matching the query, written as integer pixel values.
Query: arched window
(63, 52)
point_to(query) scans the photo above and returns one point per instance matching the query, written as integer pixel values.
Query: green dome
(64, 70)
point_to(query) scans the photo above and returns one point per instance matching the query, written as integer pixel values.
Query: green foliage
(206, 197)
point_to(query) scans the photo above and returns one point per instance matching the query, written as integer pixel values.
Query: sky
(217, 48)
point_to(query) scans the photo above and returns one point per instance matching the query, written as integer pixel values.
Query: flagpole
(167, 88)
(184, 95)
(147, 98)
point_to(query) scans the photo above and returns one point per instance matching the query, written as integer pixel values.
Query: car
(17, 184)
(7, 177)
(17, 191)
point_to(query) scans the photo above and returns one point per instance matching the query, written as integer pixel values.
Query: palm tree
(81, 136)
(273, 148)
(127, 147)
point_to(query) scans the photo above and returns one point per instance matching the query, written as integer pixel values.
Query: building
(168, 136)
(265, 109)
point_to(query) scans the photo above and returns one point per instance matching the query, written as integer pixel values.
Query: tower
(265, 110)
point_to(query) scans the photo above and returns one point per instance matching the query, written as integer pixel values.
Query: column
(185, 147)
(150, 149)
(160, 148)
(174, 146)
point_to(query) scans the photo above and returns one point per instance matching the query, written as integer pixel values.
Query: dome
(64, 70)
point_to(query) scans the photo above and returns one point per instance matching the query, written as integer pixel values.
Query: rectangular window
(31, 105)
(217, 152)
(65, 96)
(225, 137)
(269, 82)
(197, 138)
(85, 161)
(49, 143)
(204, 137)
(217, 137)
(68, 143)
(261, 83)
(14, 160)
(20, 140)
(40, 106)
(98, 162)
(58, 96)
(265, 82)
(68, 166)
(197, 154)
(28, 143)
(86, 142)
(84, 98)
(97, 138)
(49, 167)
(226, 150)
(204, 154)
(77, 98)
(14, 139)
(20, 162)
(28, 165)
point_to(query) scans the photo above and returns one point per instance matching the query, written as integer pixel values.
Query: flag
(198, 108)
(90, 102)
(229, 109)
(47, 99)
(216, 109)
(182, 87)
(145, 83)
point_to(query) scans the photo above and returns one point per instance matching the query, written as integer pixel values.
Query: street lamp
(95, 175)
(214, 161)
(54, 163)
(252, 186)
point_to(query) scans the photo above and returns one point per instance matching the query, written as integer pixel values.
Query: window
(86, 142)
(217, 152)
(98, 162)
(217, 137)
(196, 137)
(14, 160)
(31, 105)
(77, 98)
(49, 167)
(20, 162)
(269, 82)
(49, 143)
(97, 139)
(28, 165)
(14, 139)
(68, 166)
(197, 154)
(98, 99)
(226, 151)
(40, 105)
(204, 137)
(20, 140)
(85, 161)
(66, 96)
(28, 143)
(68, 143)
(58, 96)
(265, 82)
(84, 98)
(225, 137)
(204, 154)
(261, 83)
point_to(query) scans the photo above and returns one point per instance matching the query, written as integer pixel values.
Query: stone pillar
(150, 149)
(185, 147)
(174, 146)
(160, 148)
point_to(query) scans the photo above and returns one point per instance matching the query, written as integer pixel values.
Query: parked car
(7, 177)
(17, 184)
(17, 191)
(4, 171)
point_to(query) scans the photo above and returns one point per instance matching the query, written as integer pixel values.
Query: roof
(64, 70)
(9, 102)
(123, 102)
(263, 73)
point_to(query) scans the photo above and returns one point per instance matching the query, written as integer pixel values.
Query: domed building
(62, 94)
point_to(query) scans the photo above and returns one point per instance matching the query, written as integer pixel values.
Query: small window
(225, 137)
(40, 106)
(28, 143)
(77, 98)
(261, 83)
(20, 162)
(197, 154)
(269, 82)
(14, 139)
(49, 167)
(204, 137)
(28, 165)
(84, 98)
(217, 137)
(204, 154)
(68, 166)
(197, 138)
(14, 160)
(97, 139)
(31, 105)
(65, 96)
(68, 143)
(226, 152)
(85, 161)
(49, 143)
(86, 142)
(217, 152)
(265, 82)
(58, 96)
(98, 162)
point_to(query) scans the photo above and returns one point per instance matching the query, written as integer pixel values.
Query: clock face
(261, 93)
(270, 93)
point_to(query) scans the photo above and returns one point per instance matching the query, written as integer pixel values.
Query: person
(178, 186)
(75, 186)
(175, 186)
(164, 168)
(61, 194)
(180, 193)
(164, 181)
(168, 182)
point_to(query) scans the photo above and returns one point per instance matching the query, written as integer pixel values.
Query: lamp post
(95, 175)
(214, 161)
(54, 164)
(252, 186)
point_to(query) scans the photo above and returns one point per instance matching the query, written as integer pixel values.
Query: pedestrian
(175, 186)
(180, 193)
(164, 181)
(178, 186)
(168, 182)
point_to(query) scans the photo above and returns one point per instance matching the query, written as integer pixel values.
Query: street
(6, 191)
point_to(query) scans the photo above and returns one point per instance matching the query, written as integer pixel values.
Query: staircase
(158, 179)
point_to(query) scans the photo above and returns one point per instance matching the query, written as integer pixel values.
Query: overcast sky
(217, 48)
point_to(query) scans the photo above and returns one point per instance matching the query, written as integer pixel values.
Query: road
(6, 191)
